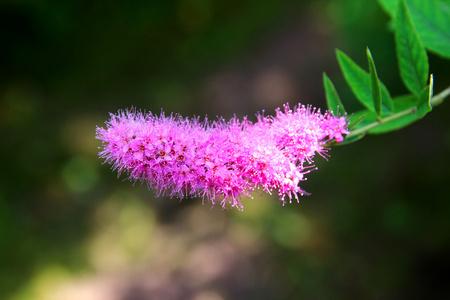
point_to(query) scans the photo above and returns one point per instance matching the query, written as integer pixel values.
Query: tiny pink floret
(219, 161)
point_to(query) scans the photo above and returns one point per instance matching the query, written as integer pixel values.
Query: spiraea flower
(219, 161)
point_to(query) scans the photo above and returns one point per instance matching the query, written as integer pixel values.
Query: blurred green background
(375, 227)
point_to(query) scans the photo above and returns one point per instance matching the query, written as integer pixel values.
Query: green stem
(439, 98)
(435, 100)
(392, 117)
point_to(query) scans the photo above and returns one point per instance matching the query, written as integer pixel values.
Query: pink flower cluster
(219, 160)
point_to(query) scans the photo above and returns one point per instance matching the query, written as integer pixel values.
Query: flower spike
(219, 161)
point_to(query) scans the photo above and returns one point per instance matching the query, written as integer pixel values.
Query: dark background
(375, 227)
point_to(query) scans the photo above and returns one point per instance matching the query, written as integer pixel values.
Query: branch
(434, 101)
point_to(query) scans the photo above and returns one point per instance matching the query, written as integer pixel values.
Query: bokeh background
(375, 227)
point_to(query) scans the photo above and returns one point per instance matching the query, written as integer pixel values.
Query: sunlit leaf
(411, 54)
(334, 103)
(432, 21)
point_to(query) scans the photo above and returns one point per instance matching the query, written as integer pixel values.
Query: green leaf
(411, 54)
(389, 6)
(394, 125)
(371, 117)
(376, 91)
(405, 102)
(432, 22)
(408, 102)
(361, 119)
(351, 139)
(431, 19)
(360, 83)
(402, 103)
(357, 118)
(334, 103)
(424, 105)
